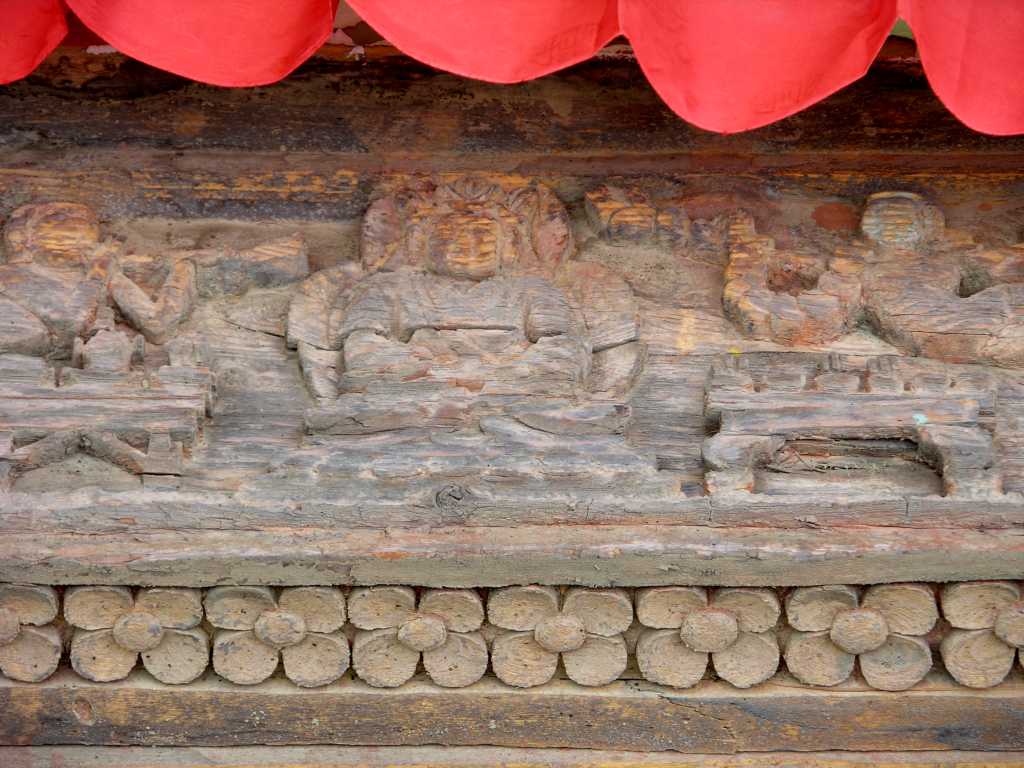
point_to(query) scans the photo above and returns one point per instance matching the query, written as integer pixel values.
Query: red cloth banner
(29, 30)
(724, 65)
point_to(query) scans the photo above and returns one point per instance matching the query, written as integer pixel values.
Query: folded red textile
(724, 65)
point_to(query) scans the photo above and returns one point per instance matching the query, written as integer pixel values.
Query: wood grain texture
(635, 716)
(593, 555)
(143, 141)
(476, 757)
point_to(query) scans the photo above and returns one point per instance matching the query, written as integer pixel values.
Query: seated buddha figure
(455, 302)
(466, 358)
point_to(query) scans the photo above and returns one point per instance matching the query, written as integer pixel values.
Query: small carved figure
(467, 320)
(928, 289)
(788, 296)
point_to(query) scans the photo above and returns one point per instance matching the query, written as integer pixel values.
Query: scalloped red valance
(724, 65)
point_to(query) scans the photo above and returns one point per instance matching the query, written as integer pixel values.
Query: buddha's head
(55, 234)
(468, 228)
(900, 220)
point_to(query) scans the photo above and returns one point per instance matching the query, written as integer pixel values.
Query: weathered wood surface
(460, 556)
(475, 757)
(631, 716)
(314, 144)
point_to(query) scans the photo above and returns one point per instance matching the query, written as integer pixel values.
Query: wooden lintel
(711, 718)
(475, 757)
(602, 555)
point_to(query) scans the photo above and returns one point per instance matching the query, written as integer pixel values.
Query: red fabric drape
(732, 65)
(29, 30)
(725, 65)
(224, 42)
(503, 41)
(973, 54)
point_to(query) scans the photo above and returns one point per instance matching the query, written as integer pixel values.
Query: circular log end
(461, 661)
(599, 661)
(138, 631)
(665, 607)
(976, 657)
(520, 661)
(814, 659)
(751, 660)
(521, 608)
(97, 656)
(859, 631)
(181, 658)
(380, 660)
(318, 660)
(33, 655)
(898, 664)
(280, 629)
(665, 660)
(322, 608)
(709, 630)
(242, 658)
(1009, 625)
(604, 612)
(561, 633)
(423, 633)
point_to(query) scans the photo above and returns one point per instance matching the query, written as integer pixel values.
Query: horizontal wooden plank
(711, 718)
(314, 145)
(475, 757)
(595, 555)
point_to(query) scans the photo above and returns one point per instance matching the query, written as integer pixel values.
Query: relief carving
(101, 387)
(842, 424)
(468, 345)
(926, 288)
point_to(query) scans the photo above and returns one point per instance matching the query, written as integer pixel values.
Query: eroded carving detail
(928, 289)
(780, 423)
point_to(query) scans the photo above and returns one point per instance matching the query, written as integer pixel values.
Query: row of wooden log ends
(521, 633)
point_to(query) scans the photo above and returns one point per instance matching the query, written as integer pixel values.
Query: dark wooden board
(474, 757)
(711, 718)
(137, 141)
